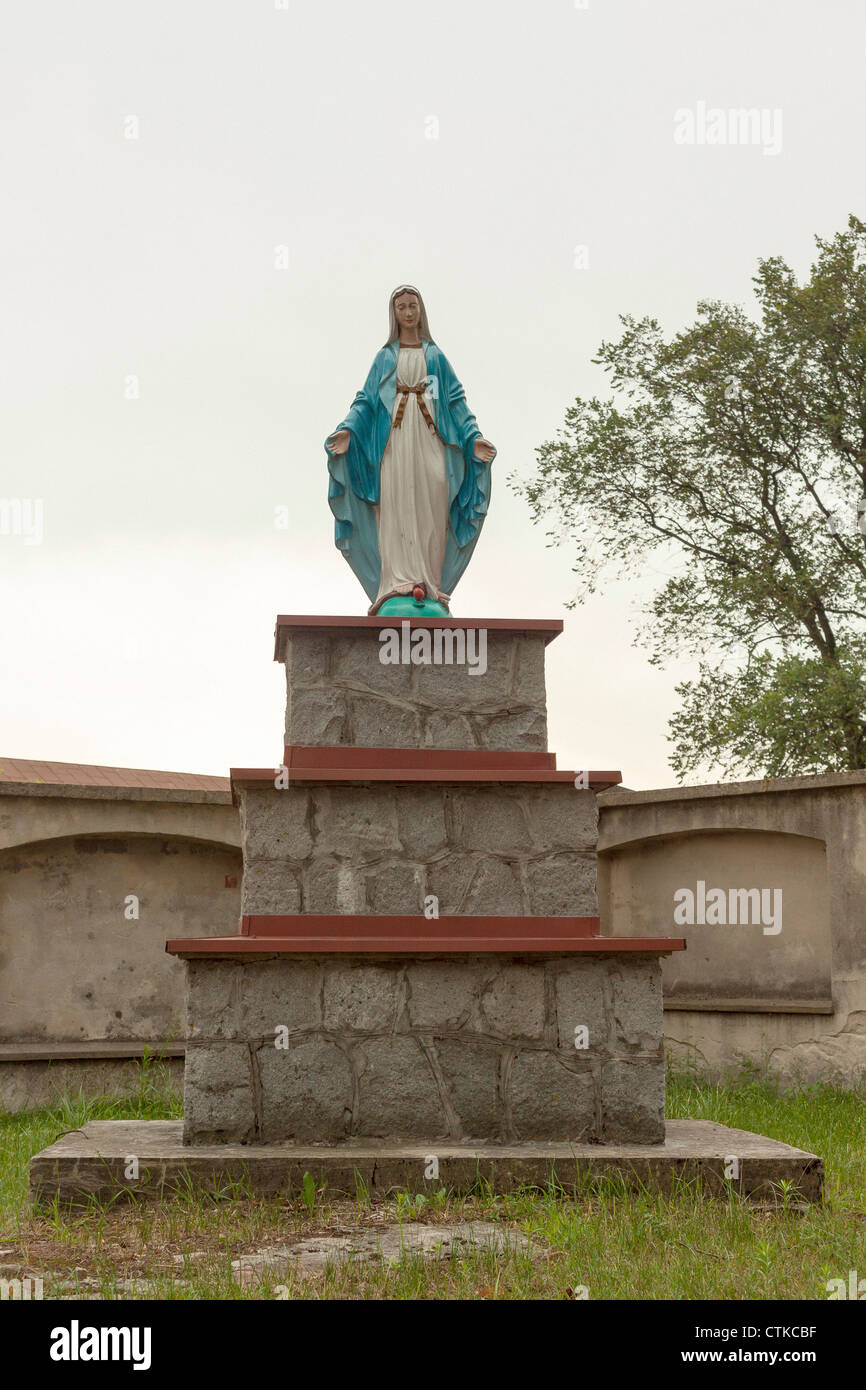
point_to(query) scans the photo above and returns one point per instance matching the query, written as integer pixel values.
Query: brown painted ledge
(337, 763)
(547, 627)
(351, 934)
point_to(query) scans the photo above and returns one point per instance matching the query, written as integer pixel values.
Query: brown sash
(418, 392)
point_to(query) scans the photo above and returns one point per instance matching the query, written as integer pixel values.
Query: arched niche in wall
(83, 925)
(753, 906)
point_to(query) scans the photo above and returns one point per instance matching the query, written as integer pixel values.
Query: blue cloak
(353, 488)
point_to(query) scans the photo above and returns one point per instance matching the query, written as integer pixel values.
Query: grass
(600, 1238)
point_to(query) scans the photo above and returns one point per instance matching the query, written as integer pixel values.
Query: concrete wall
(792, 1000)
(774, 954)
(84, 984)
(74, 964)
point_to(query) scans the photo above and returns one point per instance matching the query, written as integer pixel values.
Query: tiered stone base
(418, 991)
(501, 848)
(470, 1047)
(423, 961)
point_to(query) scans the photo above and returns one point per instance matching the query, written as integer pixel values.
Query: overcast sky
(156, 158)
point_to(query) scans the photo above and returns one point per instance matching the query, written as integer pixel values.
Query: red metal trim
(598, 781)
(351, 926)
(552, 627)
(315, 756)
(191, 947)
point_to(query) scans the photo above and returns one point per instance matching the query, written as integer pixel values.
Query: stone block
(633, 1101)
(582, 994)
(551, 1100)
(379, 722)
(443, 995)
(270, 885)
(213, 989)
(275, 824)
(421, 826)
(471, 1074)
(444, 729)
(317, 715)
(280, 994)
(496, 890)
(218, 1094)
(398, 1096)
(466, 687)
(306, 1091)
(362, 998)
(559, 817)
(513, 1004)
(449, 879)
(307, 657)
(395, 887)
(358, 823)
(331, 886)
(637, 1004)
(490, 818)
(563, 885)
(357, 663)
(528, 686)
(516, 732)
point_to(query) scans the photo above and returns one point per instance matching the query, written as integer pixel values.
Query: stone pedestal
(340, 692)
(419, 971)
(467, 1048)
(419, 957)
(492, 848)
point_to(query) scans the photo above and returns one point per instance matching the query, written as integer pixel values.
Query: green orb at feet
(405, 606)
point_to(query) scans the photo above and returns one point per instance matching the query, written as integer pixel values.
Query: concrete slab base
(147, 1159)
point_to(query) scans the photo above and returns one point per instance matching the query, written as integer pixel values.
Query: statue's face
(407, 310)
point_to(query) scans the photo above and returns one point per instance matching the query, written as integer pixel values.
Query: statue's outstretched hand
(484, 450)
(339, 442)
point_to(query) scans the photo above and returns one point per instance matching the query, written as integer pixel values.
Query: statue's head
(406, 310)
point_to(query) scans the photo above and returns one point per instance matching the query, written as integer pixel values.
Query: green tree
(738, 451)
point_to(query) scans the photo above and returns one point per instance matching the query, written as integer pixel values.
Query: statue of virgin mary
(409, 471)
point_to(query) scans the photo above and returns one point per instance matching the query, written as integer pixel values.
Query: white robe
(412, 516)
